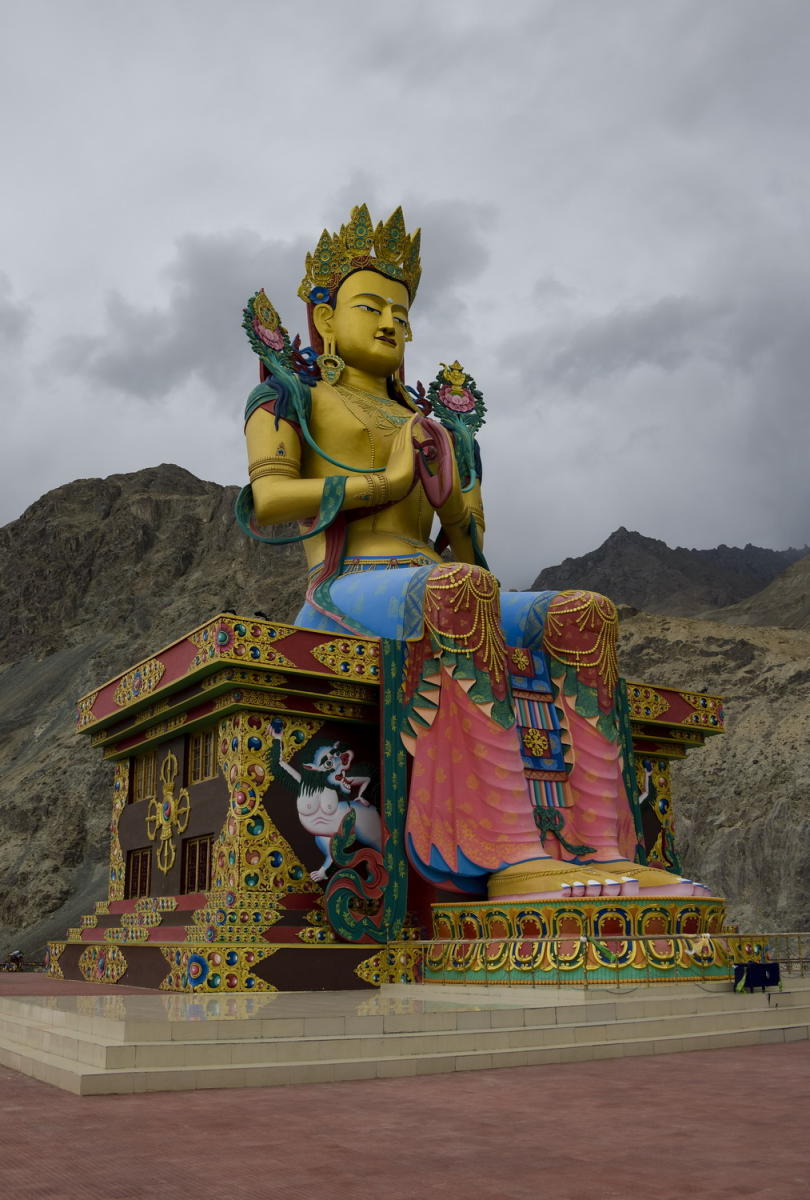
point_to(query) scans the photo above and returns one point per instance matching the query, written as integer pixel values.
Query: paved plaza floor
(714, 1123)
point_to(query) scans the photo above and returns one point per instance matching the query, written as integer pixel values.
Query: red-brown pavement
(37, 983)
(713, 1123)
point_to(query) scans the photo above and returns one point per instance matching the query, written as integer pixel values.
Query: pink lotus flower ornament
(459, 400)
(271, 337)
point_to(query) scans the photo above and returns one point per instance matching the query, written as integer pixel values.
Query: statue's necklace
(378, 408)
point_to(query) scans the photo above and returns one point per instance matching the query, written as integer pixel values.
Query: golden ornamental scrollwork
(139, 682)
(102, 963)
(249, 696)
(117, 866)
(55, 952)
(84, 714)
(168, 815)
(708, 710)
(351, 691)
(238, 641)
(646, 703)
(338, 708)
(350, 657)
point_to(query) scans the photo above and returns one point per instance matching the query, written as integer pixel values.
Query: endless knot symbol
(536, 742)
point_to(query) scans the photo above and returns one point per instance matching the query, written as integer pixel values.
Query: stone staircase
(93, 1045)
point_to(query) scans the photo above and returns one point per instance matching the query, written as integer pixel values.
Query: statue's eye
(368, 308)
(401, 321)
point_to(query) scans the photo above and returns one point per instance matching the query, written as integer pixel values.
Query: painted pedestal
(239, 749)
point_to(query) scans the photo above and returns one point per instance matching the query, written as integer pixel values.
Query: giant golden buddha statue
(337, 443)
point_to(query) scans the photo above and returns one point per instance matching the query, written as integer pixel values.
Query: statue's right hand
(400, 470)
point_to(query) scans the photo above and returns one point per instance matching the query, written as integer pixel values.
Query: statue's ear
(323, 316)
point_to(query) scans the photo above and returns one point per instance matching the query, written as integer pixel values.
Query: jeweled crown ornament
(358, 246)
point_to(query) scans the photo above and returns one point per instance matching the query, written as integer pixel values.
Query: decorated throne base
(232, 944)
(584, 941)
(209, 738)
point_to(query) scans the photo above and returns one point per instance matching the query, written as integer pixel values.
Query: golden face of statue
(369, 323)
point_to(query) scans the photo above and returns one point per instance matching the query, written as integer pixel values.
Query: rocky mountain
(645, 573)
(102, 572)
(742, 802)
(784, 603)
(94, 576)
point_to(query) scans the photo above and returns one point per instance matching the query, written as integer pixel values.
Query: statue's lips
(379, 337)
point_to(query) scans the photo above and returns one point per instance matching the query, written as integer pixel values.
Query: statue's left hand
(435, 461)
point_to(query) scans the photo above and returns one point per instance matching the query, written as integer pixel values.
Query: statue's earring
(330, 363)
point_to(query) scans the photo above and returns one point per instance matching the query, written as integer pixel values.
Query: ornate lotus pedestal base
(592, 941)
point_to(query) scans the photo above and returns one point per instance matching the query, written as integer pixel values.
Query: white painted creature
(326, 791)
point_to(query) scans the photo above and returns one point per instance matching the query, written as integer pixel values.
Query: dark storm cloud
(452, 41)
(665, 334)
(749, 317)
(15, 317)
(454, 246)
(194, 330)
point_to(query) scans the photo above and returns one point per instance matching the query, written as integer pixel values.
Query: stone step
(482, 1011)
(228, 1048)
(154, 1042)
(83, 1079)
(469, 1016)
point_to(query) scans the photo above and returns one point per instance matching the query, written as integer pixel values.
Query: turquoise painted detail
(334, 490)
(390, 887)
(629, 766)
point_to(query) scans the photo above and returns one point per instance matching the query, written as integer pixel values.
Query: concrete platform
(91, 1044)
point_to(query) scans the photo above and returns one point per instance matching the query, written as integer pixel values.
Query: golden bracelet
(379, 490)
(273, 468)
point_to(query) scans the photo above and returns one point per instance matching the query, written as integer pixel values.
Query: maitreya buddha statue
(337, 443)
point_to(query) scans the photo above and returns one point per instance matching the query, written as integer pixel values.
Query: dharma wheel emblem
(169, 815)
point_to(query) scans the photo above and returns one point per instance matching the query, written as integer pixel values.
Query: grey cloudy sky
(615, 200)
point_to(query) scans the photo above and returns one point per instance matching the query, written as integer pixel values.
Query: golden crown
(387, 249)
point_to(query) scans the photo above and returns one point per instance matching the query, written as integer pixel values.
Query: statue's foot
(651, 881)
(550, 879)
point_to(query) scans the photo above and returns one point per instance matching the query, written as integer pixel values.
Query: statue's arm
(276, 763)
(461, 510)
(280, 492)
(456, 524)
